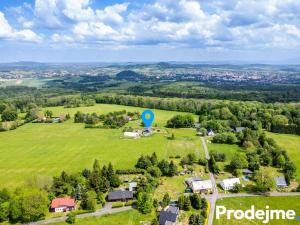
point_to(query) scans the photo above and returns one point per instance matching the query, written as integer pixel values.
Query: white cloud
(193, 23)
(7, 32)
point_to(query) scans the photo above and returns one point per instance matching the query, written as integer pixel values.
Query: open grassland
(132, 217)
(228, 150)
(244, 203)
(291, 143)
(47, 149)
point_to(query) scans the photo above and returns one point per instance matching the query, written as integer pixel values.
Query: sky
(250, 31)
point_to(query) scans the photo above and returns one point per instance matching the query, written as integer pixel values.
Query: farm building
(62, 204)
(203, 186)
(169, 216)
(228, 184)
(131, 134)
(280, 182)
(120, 195)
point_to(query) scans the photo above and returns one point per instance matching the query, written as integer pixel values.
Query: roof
(202, 185)
(231, 182)
(170, 215)
(280, 181)
(173, 209)
(131, 134)
(120, 195)
(209, 130)
(189, 181)
(247, 171)
(239, 129)
(59, 202)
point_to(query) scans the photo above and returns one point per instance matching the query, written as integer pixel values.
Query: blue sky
(252, 31)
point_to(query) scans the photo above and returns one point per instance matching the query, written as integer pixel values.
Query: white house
(228, 184)
(131, 134)
(202, 186)
(210, 132)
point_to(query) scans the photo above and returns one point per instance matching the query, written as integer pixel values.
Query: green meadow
(291, 143)
(132, 217)
(44, 150)
(244, 203)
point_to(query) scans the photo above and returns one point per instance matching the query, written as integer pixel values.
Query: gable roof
(239, 129)
(202, 185)
(231, 182)
(170, 215)
(280, 181)
(120, 195)
(59, 202)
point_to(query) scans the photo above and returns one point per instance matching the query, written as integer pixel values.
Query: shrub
(117, 204)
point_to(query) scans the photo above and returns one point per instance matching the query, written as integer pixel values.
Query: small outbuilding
(63, 204)
(228, 184)
(120, 195)
(280, 182)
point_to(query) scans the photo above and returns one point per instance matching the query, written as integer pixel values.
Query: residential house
(203, 186)
(228, 184)
(120, 195)
(63, 204)
(169, 216)
(280, 182)
(210, 132)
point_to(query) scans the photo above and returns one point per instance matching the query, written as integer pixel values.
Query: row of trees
(218, 115)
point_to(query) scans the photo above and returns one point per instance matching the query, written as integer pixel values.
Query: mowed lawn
(291, 143)
(47, 149)
(244, 203)
(132, 217)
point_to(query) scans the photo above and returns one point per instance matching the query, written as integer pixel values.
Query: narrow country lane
(107, 209)
(212, 198)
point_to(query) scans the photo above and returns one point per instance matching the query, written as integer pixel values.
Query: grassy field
(47, 149)
(291, 144)
(132, 217)
(244, 203)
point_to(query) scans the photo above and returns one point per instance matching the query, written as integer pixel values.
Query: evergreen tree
(166, 200)
(181, 202)
(187, 203)
(172, 169)
(196, 201)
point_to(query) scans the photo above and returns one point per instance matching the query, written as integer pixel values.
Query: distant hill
(129, 75)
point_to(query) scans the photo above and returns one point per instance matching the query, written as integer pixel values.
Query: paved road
(107, 209)
(212, 198)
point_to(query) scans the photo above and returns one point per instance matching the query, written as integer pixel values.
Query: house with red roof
(63, 204)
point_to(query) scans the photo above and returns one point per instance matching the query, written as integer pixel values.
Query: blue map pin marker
(147, 117)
